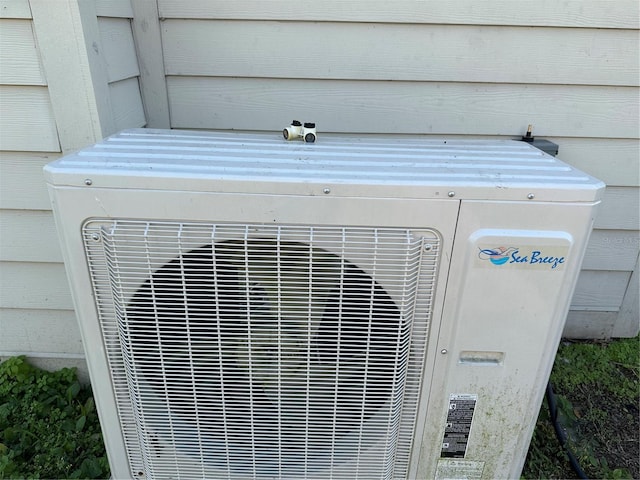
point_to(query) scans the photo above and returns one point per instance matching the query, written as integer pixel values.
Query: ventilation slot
(249, 351)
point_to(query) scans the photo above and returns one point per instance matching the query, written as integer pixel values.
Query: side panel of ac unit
(509, 290)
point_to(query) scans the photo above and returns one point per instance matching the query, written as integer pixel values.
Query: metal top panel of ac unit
(379, 166)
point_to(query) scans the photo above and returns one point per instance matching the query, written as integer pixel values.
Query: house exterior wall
(68, 77)
(73, 72)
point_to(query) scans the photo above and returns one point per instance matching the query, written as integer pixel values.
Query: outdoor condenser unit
(356, 308)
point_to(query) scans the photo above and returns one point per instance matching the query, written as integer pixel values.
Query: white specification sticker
(459, 470)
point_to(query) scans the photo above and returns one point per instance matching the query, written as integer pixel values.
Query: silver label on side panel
(459, 469)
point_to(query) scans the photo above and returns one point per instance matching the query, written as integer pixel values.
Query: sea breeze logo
(509, 255)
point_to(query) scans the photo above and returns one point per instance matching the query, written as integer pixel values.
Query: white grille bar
(253, 351)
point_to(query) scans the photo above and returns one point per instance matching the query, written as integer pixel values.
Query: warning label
(456, 432)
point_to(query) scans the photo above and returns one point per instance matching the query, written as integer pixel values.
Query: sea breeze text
(536, 257)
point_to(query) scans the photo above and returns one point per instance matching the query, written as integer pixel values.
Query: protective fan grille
(252, 351)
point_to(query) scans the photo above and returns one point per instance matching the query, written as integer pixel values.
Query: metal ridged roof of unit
(367, 160)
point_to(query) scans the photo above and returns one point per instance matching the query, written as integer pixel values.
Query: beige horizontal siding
(27, 330)
(612, 250)
(114, 8)
(373, 51)
(15, 9)
(118, 48)
(121, 63)
(36, 316)
(620, 209)
(25, 285)
(126, 104)
(600, 290)
(27, 121)
(22, 184)
(615, 161)
(628, 322)
(19, 61)
(570, 13)
(403, 107)
(28, 236)
(585, 324)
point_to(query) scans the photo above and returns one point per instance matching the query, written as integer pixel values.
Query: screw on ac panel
(95, 237)
(326, 190)
(531, 196)
(452, 194)
(428, 247)
(444, 351)
(88, 181)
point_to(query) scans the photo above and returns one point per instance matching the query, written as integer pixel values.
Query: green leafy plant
(48, 425)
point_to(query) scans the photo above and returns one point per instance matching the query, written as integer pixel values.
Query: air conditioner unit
(355, 308)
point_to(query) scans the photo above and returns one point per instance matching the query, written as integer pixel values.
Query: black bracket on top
(546, 146)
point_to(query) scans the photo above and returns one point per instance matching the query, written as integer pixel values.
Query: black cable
(562, 438)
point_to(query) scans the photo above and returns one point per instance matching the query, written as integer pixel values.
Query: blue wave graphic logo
(498, 255)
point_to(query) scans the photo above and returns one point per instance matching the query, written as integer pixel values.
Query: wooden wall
(74, 72)
(68, 77)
